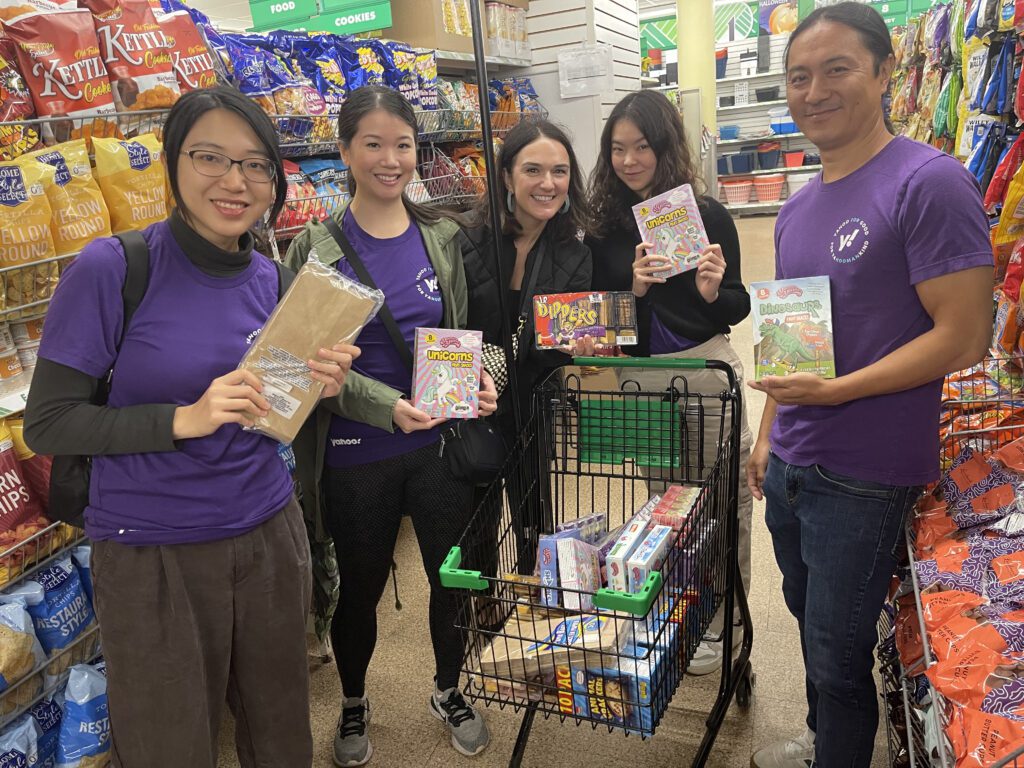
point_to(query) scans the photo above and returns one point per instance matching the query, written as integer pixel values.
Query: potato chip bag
(58, 605)
(20, 653)
(193, 61)
(59, 55)
(27, 234)
(133, 182)
(16, 137)
(19, 743)
(85, 730)
(136, 53)
(1011, 220)
(48, 715)
(79, 213)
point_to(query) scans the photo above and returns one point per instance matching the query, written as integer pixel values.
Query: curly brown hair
(658, 120)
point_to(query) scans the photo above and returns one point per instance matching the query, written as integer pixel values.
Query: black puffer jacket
(565, 267)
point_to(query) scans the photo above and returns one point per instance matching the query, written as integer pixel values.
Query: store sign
(355, 17)
(274, 13)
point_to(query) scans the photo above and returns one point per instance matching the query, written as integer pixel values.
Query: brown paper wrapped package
(321, 308)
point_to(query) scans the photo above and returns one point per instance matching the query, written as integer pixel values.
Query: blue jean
(836, 541)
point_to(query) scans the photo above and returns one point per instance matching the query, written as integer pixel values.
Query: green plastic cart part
(641, 362)
(638, 604)
(453, 577)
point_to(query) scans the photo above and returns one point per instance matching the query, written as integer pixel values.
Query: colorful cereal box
(607, 316)
(622, 691)
(446, 381)
(793, 327)
(578, 569)
(672, 223)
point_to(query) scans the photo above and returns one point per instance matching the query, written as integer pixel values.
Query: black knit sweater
(677, 302)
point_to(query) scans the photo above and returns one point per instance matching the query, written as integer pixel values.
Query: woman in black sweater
(644, 153)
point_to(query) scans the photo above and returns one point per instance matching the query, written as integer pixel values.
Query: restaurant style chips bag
(59, 55)
(136, 53)
(79, 213)
(132, 179)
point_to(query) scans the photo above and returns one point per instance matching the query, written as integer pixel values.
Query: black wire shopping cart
(589, 457)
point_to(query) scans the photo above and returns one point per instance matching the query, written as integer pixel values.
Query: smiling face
(381, 156)
(633, 159)
(539, 181)
(222, 209)
(833, 88)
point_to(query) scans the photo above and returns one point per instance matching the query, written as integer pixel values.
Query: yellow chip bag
(79, 213)
(27, 234)
(131, 177)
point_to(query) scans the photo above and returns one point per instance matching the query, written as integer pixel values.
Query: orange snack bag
(980, 739)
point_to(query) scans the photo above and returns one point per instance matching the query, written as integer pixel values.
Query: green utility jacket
(362, 399)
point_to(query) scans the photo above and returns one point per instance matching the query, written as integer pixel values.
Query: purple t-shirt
(909, 215)
(401, 269)
(664, 341)
(213, 487)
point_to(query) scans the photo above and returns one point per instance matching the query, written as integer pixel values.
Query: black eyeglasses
(214, 164)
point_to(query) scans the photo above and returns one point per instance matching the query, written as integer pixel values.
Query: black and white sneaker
(351, 742)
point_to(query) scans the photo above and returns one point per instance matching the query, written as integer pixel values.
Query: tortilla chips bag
(79, 213)
(28, 232)
(20, 654)
(133, 181)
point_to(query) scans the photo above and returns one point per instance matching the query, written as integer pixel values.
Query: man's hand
(800, 389)
(757, 465)
(488, 395)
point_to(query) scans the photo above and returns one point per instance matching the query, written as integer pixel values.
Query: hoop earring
(510, 202)
(565, 206)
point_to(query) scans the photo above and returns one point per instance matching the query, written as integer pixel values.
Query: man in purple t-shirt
(900, 231)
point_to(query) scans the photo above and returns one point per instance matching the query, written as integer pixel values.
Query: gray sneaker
(351, 742)
(465, 724)
(788, 753)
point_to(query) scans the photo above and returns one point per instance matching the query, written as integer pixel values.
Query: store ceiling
(231, 15)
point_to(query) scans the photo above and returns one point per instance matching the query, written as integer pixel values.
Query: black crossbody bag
(475, 450)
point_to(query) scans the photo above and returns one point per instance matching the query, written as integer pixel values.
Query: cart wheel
(745, 687)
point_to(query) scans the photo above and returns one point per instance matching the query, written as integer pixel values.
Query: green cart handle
(638, 604)
(453, 577)
(642, 362)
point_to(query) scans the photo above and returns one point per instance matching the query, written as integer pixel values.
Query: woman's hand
(585, 346)
(488, 395)
(645, 267)
(409, 418)
(332, 367)
(710, 271)
(232, 399)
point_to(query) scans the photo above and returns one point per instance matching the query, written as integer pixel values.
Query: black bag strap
(285, 278)
(364, 277)
(136, 278)
(526, 298)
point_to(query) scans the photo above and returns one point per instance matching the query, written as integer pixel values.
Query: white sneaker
(789, 753)
(706, 659)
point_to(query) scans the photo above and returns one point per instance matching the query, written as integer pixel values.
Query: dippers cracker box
(793, 327)
(649, 556)
(607, 316)
(672, 223)
(630, 539)
(578, 569)
(621, 691)
(446, 382)
(547, 562)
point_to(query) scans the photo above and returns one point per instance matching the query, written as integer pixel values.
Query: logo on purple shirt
(426, 284)
(138, 156)
(12, 187)
(850, 241)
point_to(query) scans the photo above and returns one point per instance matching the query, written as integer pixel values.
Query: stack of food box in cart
(604, 665)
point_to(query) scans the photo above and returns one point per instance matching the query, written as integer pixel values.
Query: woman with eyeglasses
(200, 559)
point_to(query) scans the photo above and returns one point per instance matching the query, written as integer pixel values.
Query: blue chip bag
(48, 715)
(20, 651)
(426, 73)
(361, 64)
(399, 61)
(58, 605)
(249, 68)
(84, 740)
(81, 557)
(19, 744)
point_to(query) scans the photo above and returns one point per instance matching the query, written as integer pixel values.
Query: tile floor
(400, 677)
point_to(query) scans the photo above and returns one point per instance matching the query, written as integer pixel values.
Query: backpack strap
(285, 278)
(136, 278)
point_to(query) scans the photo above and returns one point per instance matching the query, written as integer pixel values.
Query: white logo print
(252, 336)
(341, 441)
(427, 284)
(850, 241)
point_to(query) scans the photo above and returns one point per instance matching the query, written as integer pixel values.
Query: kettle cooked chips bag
(192, 59)
(133, 182)
(79, 213)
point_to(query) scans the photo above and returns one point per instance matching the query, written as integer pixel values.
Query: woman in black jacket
(545, 209)
(644, 153)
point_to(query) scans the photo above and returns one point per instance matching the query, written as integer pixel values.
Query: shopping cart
(593, 445)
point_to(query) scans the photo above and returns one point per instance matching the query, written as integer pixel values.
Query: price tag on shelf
(741, 92)
(271, 12)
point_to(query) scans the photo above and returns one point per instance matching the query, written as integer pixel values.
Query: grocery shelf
(740, 78)
(754, 207)
(649, 82)
(752, 105)
(762, 137)
(459, 60)
(13, 403)
(794, 169)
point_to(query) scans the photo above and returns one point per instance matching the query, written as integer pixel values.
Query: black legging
(365, 506)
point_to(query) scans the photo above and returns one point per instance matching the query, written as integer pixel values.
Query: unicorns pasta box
(672, 223)
(446, 382)
(793, 327)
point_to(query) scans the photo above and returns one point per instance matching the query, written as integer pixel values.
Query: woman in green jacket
(372, 457)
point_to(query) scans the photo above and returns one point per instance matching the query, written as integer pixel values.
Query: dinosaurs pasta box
(673, 224)
(793, 327)
(607, 316)
(446, 382)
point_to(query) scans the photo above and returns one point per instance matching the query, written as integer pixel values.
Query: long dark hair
(661, 125)
(359, 104)
(192, 106)
(865, 21)
(564, 226)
